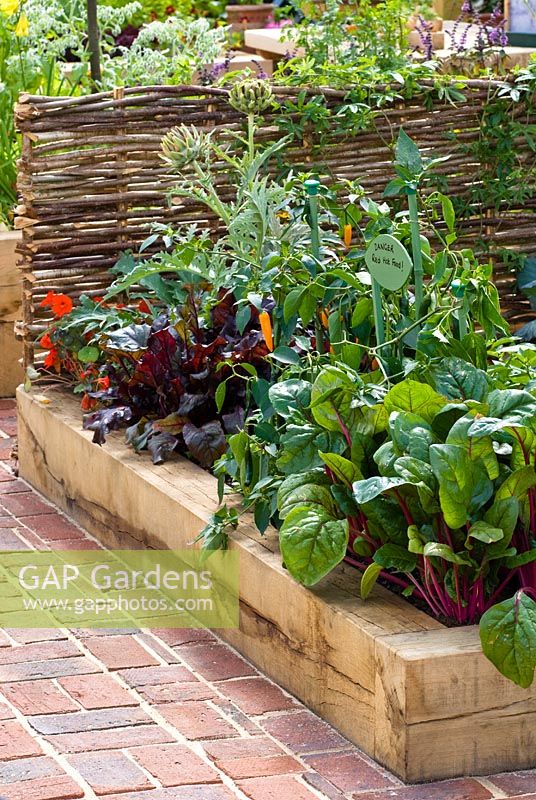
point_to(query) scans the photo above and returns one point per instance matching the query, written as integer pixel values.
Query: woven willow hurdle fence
(91, 181)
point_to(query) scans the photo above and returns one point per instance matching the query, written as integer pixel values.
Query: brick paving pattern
(165, 714)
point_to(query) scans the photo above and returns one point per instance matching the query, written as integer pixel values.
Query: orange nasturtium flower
(103, 383)
(88, 403)
(59, 303)
(52, 359)
(46, 342)
(266, 328)
(347, 235)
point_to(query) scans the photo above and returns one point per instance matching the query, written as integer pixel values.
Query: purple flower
(260, 72)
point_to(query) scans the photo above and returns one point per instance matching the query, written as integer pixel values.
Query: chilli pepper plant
(410, 454)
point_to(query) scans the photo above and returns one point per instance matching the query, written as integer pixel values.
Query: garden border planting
(91, 178)
(418, 697)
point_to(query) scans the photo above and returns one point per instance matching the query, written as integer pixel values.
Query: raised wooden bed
(418, 697)
(243, 17)
(11, 372)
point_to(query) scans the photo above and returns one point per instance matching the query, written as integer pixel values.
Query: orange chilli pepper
(374, 364)
(347, 235)
(266, 328)
(324, 319)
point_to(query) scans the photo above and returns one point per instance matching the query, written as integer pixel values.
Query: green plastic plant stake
(378, 312)
(311, 187)
(416, 247)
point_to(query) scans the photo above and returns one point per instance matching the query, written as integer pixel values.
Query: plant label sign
(388, 262)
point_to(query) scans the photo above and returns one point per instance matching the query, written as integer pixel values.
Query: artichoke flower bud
(183, 145)
(251, 96)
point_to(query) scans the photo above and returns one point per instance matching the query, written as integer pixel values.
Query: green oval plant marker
(388, 262)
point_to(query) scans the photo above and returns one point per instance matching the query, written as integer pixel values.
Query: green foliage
(508, 636)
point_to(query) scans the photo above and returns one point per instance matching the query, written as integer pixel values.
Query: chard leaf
(331, 398)
(443, 551)
(369, 578)
(513, 404)
(300, 445)
(394, 556)
(137, 435)
(419, 398)
(362, 547)
(486, 426)
(369, 420)
(385, 458)
(344, 469)
(104, 420)
(459, 380)
(464, 486)
(508, 637)
(521, 559)
(445, 419)
(290, 396)
(411, 435)
(205, 444)
(503, 514)
(455, 489)
(344, 499)
(523, 446)
(385, 520)
(132, 339)
(416, 471)
(480, 448)
(421, 475)
(415, 540)
(173, 423)
(484, 532)
(312, 543)
(160, 446)
(517, 483)
(368, 489)
(304, 489)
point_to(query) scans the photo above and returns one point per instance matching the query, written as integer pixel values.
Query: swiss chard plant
(433, 489)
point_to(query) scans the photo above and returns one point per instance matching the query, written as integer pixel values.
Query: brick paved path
(165, 715)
